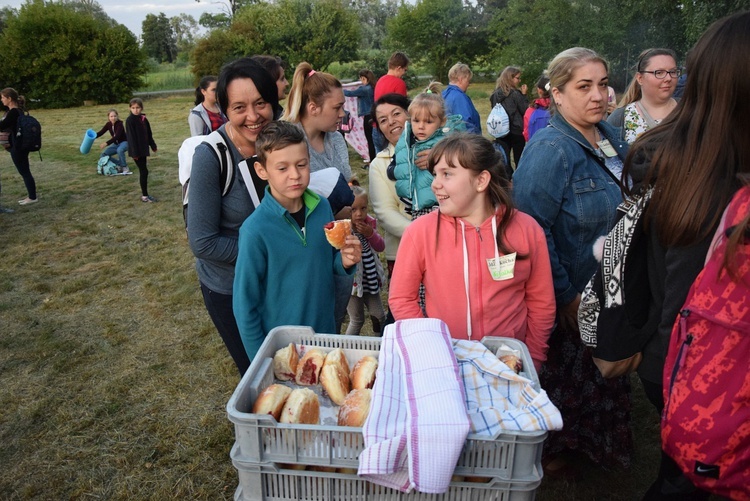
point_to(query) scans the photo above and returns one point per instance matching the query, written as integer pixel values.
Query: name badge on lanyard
(607, 148)
(501, 268)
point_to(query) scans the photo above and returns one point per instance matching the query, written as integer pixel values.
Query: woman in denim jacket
(568, 179)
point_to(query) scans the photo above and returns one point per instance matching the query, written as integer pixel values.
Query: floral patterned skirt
(595, 411)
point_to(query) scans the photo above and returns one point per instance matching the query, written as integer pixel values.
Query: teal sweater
(411, 181)
(284, 276)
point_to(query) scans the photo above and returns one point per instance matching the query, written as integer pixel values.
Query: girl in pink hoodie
(484, 265)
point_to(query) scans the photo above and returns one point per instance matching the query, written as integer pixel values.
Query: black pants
(367, 127)
(219, 308)
(514, 142)
(142, 164)
(21, 161)
(670, 483)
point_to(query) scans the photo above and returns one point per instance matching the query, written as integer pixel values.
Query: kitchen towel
(498, 399)
(417, 424)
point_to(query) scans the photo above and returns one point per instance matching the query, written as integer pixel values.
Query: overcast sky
(131, 13)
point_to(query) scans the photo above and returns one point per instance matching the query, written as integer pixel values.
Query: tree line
(62, 52)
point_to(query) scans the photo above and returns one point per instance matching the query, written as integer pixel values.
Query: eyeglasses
(662, 74)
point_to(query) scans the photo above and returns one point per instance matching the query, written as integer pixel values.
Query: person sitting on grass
(285, 265)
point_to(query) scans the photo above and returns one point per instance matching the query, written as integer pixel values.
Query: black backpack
(28, 134)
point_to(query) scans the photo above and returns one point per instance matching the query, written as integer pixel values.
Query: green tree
(373, 16)
(529, 33)
(214, 21)
(159, 40)
(5, 14)
(211, 52)
(231, 7)
(62, 57)
(700, 14)
(317, 31)
(184, 28)
(91, 8)
(440, 32)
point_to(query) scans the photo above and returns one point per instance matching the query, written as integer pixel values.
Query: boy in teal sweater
(285, 265)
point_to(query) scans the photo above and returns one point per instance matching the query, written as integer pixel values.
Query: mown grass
(114, 380)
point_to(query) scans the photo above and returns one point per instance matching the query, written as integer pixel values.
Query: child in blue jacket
(285, 265)
(427, 125)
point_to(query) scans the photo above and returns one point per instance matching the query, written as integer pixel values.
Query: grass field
(168, 78)
(114, 380)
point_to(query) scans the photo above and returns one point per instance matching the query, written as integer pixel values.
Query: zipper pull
(479, 233)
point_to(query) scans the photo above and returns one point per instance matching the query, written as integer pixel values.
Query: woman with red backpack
(693, 160)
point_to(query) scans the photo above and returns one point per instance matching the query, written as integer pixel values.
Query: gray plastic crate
(512, 456)
(268, 482)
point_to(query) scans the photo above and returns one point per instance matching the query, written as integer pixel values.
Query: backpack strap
(255, 186)
(218, 142)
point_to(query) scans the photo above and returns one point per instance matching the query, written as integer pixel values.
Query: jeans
(219, 308)
(378, 140)
(356, 310)
(120, 149)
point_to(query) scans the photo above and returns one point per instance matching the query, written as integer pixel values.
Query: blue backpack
(538, 120)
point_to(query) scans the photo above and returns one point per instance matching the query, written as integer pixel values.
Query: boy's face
(136, 109)
(287, 171)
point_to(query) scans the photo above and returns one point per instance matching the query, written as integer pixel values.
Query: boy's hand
(102, 145)
(363, 228)
(351, 253)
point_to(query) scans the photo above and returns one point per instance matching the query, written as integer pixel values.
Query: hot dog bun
(271, 400)
(363, 373)
(335, 376)
(285, 363)
(355, 408)
(302, 407)
(308, 369)
(336, 232)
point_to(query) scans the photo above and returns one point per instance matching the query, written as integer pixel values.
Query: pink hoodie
(522, 307)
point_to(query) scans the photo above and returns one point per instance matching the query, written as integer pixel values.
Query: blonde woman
(568, 180)
(316, 103)
(512, 95)
(648, 99)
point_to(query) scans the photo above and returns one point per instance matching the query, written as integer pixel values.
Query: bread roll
(335, 376)
(512, 361)
(336, 232)
(308, 369)
(271, 400)
(363, 373)
(510, 357)
(355, 408)
(285, 363)
(301, 407)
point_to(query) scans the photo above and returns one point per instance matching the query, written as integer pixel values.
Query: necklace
(231, 136)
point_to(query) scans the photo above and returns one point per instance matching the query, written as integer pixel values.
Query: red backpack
(705, 426)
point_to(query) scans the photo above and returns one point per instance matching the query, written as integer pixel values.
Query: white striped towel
(498, 399)
(417, 424)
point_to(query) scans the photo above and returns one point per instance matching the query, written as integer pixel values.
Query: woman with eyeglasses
(648, 99)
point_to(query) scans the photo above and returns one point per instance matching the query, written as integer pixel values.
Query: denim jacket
(565, 186)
